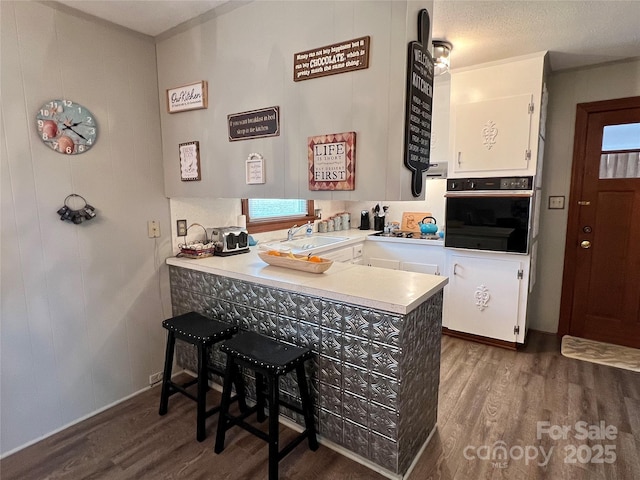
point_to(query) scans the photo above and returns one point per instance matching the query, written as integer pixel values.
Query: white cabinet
(350, 254)
(487, 295)
(496, 111)
(391, 264)
(401, 255)
(493, 135)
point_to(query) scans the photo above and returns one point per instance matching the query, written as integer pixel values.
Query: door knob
(585, 244)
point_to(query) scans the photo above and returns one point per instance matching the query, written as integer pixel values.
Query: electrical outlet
(556, 202)
(153, 226)
(182, 228)
(155, 378)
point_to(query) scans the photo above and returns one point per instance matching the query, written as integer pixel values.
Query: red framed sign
(332, 161)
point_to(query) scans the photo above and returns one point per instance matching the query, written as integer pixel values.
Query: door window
(620, 157)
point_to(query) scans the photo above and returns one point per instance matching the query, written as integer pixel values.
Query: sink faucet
(293, 230)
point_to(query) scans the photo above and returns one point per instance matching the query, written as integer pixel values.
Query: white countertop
(380, 288)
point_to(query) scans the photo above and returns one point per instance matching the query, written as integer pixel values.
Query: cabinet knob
(585, 244)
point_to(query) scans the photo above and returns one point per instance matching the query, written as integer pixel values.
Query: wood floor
(487, 395)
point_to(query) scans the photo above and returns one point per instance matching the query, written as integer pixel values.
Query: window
(620, 157)
(266, 214)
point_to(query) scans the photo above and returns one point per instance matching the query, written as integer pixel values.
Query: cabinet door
(493, 135)
(483, 296)
(384, 263)
(430, 268)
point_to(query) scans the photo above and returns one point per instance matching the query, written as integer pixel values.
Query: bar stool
(202, 332)
(271, 359)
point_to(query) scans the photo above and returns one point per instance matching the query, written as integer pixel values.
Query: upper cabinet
(496, 112)
(246, 52)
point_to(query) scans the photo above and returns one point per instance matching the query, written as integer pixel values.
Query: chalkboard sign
(417, 127)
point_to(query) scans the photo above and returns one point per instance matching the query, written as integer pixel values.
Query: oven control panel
(489, 183)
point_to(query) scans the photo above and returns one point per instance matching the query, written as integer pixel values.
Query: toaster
(230, 240)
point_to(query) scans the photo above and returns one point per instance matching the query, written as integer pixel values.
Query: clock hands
(69, 128)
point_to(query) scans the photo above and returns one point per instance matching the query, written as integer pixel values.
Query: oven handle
(489, 194)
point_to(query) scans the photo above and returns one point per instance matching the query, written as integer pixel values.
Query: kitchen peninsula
(375, 332)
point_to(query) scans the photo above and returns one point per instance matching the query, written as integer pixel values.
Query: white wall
(566, 90)
(81, 304)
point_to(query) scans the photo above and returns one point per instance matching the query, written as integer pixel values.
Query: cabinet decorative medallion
(489, 134)
(482, 297)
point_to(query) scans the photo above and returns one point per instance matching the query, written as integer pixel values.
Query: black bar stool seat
(269, 359)
(202, 332)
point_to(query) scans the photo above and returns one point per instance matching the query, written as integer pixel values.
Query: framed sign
(264, 122)
(255, 169)
(187, 97)
(337, 58)
(189, 161)
(332, 161)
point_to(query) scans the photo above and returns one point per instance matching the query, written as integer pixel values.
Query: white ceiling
(576, 33)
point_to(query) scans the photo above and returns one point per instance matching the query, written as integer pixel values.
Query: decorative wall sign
(255, 169)
(187, 97)
(337, 58)
(417, 125)
(190, 161)
(332, 161)
(264, 122)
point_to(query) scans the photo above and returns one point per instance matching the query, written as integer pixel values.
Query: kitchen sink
(305, 244)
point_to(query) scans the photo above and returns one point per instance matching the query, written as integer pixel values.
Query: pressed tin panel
(355, 376)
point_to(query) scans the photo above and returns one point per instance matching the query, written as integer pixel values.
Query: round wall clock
(66, 127)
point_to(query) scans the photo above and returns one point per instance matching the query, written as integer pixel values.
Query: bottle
(309, 230)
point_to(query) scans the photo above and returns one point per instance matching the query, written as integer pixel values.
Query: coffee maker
(364, 220)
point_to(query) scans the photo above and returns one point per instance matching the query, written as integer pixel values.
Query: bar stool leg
(166, 376)
(260, 397)
(307, 407)
(203, 386)
(274, 427)
(224, 405)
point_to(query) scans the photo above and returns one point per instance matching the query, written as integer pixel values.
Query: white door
(492, 135)
(483, 296)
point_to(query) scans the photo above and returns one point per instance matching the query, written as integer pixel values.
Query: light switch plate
(556, 202)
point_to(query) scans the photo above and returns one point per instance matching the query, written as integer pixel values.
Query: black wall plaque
(417, 125)
(254, 124)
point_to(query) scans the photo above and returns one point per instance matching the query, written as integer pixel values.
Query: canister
(322, 226)
(337, 222)
(330, 225)
(346, 221)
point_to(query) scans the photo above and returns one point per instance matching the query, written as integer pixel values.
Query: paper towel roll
(242, 221)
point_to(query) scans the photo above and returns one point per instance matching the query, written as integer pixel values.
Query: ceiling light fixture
(441, 56)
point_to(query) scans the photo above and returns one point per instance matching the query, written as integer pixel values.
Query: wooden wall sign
(264, 122)
(332, 161)
(187, 97)
(337, 58)
(417, 124)
(189, 161)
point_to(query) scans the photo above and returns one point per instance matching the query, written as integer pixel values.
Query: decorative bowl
(296, 262)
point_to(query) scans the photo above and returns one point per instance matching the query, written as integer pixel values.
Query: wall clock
(66, 127)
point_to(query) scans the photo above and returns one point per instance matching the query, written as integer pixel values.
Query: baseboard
(74, 422)
(480, 339)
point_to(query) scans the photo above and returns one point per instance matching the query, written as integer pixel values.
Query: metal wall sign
(264, 122)
(337, 58)
(417, 125)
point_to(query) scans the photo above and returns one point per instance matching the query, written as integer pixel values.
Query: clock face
(66, 127)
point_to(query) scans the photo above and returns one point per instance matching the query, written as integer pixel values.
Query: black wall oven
(489, 213)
